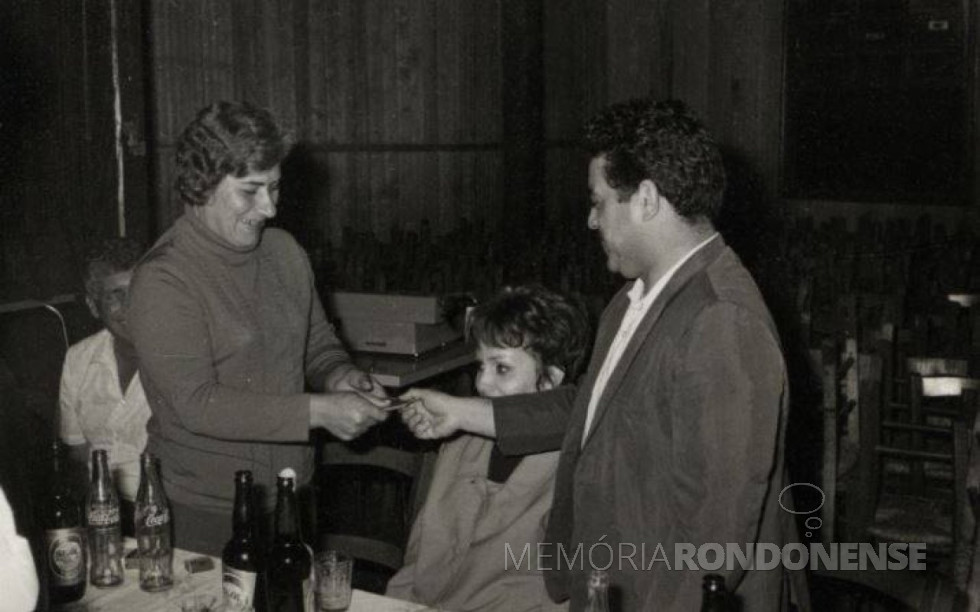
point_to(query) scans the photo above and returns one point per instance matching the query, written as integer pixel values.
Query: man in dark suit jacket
(675, 435)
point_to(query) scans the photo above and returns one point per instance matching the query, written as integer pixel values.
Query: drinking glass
(333, 580)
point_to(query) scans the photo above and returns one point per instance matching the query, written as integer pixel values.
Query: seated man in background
(102, 401)
(480, 501)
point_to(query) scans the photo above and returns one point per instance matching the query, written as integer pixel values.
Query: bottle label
(66, 556)
(153, 515)
(308, 596)
(238, 588)
(103, 516)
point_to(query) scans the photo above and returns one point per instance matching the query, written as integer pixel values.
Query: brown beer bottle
(242, 578)
(290, 562)
(64, 535)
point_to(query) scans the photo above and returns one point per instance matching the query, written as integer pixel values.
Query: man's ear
(650, 199)
(92, 307)
(551, 378)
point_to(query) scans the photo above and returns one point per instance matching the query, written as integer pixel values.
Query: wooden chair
(869, 589)
(367, 499)
(919, 505)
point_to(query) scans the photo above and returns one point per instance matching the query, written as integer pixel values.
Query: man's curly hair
(553, 328)
(108, 257)
(661, 141)
(225, 138)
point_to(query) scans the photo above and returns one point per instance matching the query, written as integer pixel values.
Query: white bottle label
(66, 556)
(103, 515)
(238, 587)
(308, 596)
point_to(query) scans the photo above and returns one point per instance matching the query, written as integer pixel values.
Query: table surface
(404, 370)
(128, 597)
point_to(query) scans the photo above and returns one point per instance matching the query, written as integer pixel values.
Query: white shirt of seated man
(18, 577)
(96, 411)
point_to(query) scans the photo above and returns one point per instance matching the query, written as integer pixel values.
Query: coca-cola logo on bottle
(155, 516)
(103, 516)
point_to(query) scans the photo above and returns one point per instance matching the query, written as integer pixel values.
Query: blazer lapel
(695, 264)
(608, 326)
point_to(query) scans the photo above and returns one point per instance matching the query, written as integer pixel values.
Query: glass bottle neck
(241, 520)
(287, 523)
(101, 477)
(149, 489)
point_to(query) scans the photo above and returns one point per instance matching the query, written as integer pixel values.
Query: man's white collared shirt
(94, 410)
(638, 308)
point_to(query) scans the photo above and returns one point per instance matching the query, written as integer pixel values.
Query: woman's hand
(433, 414)
(353, 379)
(346, 415)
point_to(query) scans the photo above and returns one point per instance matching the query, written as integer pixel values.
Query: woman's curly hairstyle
(225, 138)
(661, 141)
(552, 327)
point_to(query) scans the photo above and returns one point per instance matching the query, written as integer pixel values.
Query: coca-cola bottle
(242, 578)
(153, 529)
(104, 529)
(64, 533)
(290, 560)
(598, 591)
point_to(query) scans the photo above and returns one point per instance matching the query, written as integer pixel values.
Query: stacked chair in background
(890, 314)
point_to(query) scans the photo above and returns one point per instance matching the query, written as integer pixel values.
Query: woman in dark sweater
(230, 332)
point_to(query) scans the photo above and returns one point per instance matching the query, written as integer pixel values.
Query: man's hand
(434, 415)
(346, 415)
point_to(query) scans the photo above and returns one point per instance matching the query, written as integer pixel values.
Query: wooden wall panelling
(745, 91)
(410, 18)
(691, 54)
(522, 105)
(193, 66)
(58, 160)
(564, 66)
(383, 76)
(301, 62)
(637, 36)
(575, 50)
(396, 95)
(448, 69)
(98, 167)
(133, 80)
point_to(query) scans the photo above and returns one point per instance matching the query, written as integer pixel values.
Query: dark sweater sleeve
(172, 341)
(324, 350)
(532, 422)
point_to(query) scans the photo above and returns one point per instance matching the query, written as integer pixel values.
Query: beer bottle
(598, 591)
(241, 561)
(290, 562)
(152, 520)
(64, 534)
(104, 529)
(714, 596)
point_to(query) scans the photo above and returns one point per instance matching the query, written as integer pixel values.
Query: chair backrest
(367, 495)
(937, 366)
(824, 363)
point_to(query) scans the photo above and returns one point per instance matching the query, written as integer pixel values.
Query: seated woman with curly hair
(482, 503)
